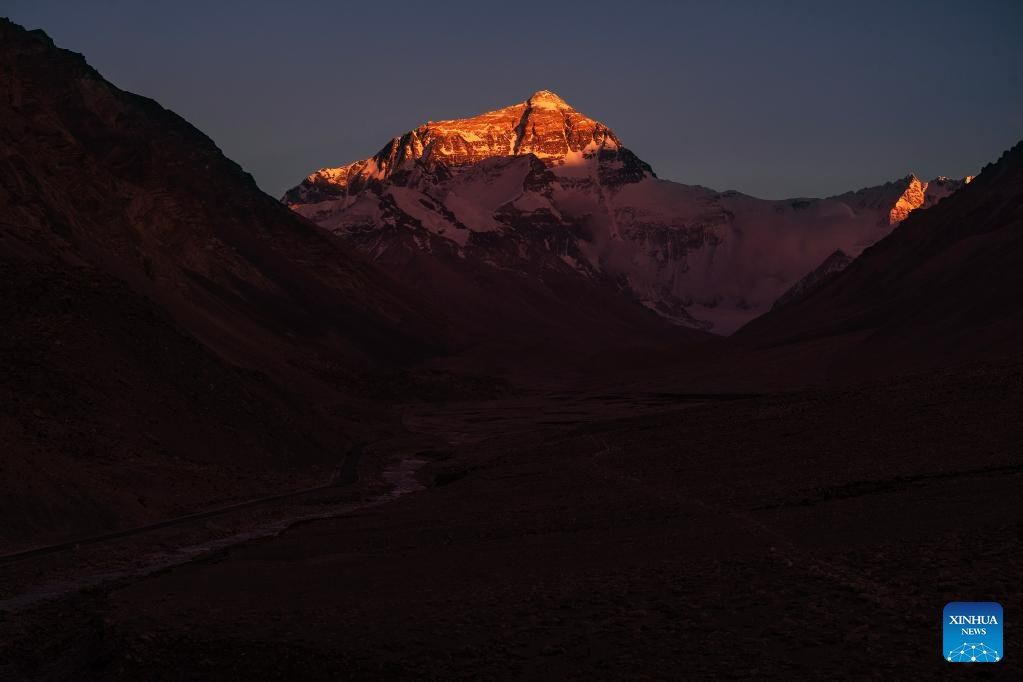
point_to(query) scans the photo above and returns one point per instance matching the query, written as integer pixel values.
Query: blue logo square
(973, 632)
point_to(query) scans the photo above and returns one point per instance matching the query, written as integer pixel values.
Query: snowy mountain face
(539, 189)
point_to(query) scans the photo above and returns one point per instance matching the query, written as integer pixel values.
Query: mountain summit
(920, 194)
(544, 125)
(538, 188)
(546, 98)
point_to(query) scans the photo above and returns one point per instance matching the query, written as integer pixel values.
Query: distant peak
(947, 180)
(547, 99)
(912, 198)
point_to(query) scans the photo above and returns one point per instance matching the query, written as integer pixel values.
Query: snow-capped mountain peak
(543, 191)
(543, 125)
(545, 99)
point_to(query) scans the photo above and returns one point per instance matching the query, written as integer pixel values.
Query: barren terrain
(777, 535)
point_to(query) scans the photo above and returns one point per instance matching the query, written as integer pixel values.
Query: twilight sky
(773, 99)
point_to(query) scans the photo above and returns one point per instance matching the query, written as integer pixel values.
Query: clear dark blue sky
(771, 98)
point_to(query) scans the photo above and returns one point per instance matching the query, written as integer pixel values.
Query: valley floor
(812, 534)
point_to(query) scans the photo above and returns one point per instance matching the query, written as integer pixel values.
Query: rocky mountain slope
(831, 266)
(172, 336)
(943, 287)
(540, 189)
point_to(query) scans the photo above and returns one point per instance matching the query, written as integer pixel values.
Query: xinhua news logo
(973, 632)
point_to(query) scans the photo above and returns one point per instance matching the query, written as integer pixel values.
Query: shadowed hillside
(172, 335)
